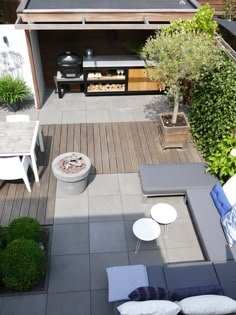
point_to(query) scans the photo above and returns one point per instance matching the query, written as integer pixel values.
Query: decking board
(112, 147)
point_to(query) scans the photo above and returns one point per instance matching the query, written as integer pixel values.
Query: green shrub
(24, 228)
(23, 265)
(213, 110)
(2, 237)
(12, 90)
(220, 162)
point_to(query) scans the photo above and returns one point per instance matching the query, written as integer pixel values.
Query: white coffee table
(163, 213)
(145, 229)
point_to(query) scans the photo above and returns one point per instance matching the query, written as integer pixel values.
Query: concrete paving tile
(69, 273)
(134, 208)
(105, 208)
(98, 115)
(71, 210)
(140, 115)
(100, 304)
(184, 254)
(107, 237)
(50, 117)
(132, 239)
(148, 257)
(61, 194)
(74, 117)
(98, 265)
(121, 115)
(103, 185)
(70, 239)
(70, 303)
(180, 235)
(24, 304)
(129, 184)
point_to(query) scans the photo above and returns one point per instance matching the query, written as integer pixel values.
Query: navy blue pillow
(148, 293)
(220, 200)
(182, 293)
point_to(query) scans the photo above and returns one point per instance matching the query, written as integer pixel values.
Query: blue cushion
(148, 293)
(220, 200)
(182, 293)
(229, 226)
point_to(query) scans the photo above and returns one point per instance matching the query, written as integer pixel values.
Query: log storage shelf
(108, 75)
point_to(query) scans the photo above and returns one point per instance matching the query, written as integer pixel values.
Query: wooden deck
(112, 148)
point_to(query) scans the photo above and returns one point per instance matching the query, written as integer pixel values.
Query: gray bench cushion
(156, 277)
(184, 275)
(173, 178)
(207, 223)
(226, 273)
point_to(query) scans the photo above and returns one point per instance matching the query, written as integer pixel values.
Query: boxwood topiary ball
(24, 228)
(23, 265)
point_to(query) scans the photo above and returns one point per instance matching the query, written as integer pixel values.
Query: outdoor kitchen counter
(113, 61)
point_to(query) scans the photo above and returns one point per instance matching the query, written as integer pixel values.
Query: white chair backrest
(230, 190)
(17, 118)
(11, 167)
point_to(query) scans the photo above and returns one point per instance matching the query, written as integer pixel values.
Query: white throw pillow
(150, 307)
(230, 190)
(207, 304)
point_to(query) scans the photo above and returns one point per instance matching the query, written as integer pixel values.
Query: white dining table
(19, 139)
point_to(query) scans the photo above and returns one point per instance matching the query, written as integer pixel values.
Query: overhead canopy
(102, 14)
(228, 25)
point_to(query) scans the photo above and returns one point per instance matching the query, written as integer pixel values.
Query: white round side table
(163, 213)
(145, 229)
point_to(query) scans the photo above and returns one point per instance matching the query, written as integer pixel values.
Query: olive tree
(174, 57)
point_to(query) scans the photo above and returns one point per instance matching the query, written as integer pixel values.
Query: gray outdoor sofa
(191, 180)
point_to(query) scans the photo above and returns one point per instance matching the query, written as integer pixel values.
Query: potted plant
(173, 55)
(12, 92)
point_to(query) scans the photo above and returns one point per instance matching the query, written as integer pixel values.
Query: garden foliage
(220, 161)
(24, 228)
(213, 112)
(23, 264)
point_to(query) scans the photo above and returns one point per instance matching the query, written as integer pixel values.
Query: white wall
(37, 63)
(14, 57)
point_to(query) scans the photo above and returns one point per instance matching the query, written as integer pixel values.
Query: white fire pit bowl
(71, 181)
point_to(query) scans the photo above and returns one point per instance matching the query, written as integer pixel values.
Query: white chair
(14, 168)
(15, 118)
(23, 118)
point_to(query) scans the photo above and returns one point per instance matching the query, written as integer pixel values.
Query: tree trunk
(176, 106)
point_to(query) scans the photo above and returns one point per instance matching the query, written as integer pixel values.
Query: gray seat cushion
(184, 275)
(173, 178)
(156, 276)
(207, 223)
(226, 273)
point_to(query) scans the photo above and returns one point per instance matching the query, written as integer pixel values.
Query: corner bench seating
(191, 180)
(191, 274)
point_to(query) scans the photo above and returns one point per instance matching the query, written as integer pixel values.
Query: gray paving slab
(104, 185)
(99, 263)
(107, 237)
(70, 239)
(60, 193)
(69, 303)
(74, 117)
(134, 208)
(132, 239)
(50, 117)
(24, 304)
(100, 304)
(129, 184)
(69, 273)
(98, 115)
(71, 210)
(148, 257)
(105, 208)
(121, 115)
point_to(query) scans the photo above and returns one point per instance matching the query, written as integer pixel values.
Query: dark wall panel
(106, 42)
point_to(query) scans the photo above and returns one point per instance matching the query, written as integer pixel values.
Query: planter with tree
(12, 92)
(173, 55)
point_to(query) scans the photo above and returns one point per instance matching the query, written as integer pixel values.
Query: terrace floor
(81, 248)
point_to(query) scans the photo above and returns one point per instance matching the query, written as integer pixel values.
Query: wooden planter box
(173, 137)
